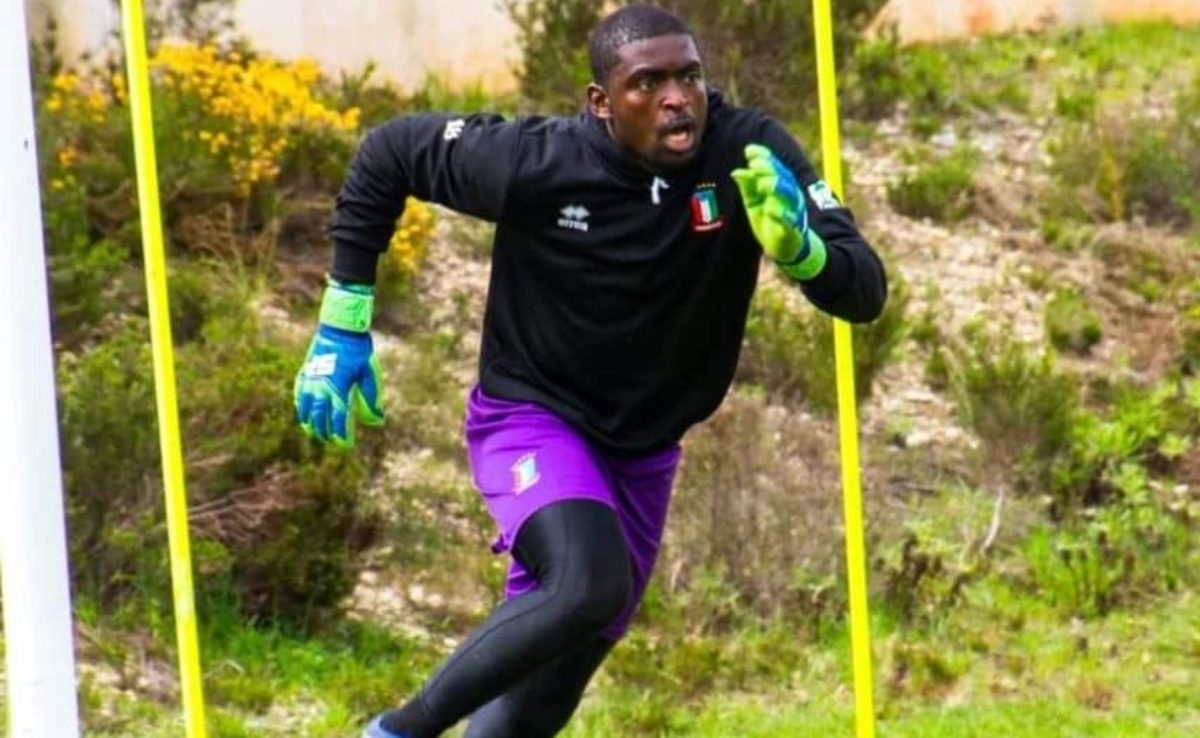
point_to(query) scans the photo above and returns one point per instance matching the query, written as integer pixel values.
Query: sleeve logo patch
(822, 196)
(453, 129)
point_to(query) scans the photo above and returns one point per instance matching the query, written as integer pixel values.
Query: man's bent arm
(853, 283)
(464, 163)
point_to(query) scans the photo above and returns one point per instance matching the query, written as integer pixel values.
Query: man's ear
(598, 102)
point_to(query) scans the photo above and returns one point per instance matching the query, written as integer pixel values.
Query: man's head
(648, 85)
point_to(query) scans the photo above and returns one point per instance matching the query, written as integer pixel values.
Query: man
(625, 257)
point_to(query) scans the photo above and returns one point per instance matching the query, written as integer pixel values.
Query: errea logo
(574, 217)
(453, 129)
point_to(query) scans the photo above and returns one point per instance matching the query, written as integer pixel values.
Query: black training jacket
(618, 298)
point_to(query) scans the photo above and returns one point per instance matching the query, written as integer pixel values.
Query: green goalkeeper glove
(778, 214)
(340, 376)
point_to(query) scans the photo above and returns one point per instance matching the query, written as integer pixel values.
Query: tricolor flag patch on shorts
(525, 473)
(706, 213)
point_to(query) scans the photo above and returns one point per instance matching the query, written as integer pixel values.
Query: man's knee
(598, 590)
(577, 551)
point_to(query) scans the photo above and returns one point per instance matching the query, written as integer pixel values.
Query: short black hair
(624, 26)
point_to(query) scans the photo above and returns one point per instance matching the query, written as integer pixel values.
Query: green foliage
(789, 348)
(1071, 323)
(275, 521)
(84, 265)
(553, 36)
(1077, 102)
(932, 82)
(1015, 400)
(424, 404)
(1124, 529)
(759, 53)
(1113, 555)
(942, 190)
(698, 642)
(924, 576)
(109, 444)
(1125, 163)
(753, 475)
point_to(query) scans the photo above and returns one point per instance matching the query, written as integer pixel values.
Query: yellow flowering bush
(246, 113)
(407, 250)
(73, 106)
(410, 242)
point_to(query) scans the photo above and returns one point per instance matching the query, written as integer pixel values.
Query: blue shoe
(375, 729)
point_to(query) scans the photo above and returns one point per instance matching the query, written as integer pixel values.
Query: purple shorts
(524, 457)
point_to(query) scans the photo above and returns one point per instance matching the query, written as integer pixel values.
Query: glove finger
(342, 424)
(777, 209)
(757, 151)
(764, 169)
(368, 399)
(301, 400)
(747, 184)
(319, 419)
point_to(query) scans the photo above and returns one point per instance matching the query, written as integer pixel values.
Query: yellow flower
(65, 82)
(68, 157)
(54, 103)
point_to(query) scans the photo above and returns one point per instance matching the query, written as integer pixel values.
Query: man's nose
(673, 96)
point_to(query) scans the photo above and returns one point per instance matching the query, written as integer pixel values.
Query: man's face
(655, 103)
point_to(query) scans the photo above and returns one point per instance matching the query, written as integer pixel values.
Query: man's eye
(693, 78)
(647, 84)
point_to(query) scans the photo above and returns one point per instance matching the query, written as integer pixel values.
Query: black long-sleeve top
(618, 297)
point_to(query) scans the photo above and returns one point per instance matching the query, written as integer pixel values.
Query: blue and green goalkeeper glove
(340, 376)
(778, 214)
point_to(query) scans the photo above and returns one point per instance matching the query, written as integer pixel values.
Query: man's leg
(540, 706)
(576, 552)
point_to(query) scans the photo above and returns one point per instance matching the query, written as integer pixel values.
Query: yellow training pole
(856, 565)
(164, 366)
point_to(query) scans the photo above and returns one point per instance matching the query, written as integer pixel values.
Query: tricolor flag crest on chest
(706, 211)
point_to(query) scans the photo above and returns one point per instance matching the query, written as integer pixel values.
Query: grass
(1062, 73)
(1004, 659)
(1129, 675)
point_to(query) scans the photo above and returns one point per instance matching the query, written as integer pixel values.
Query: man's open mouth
(679, 136)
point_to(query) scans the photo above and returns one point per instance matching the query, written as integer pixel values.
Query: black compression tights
(525, 668)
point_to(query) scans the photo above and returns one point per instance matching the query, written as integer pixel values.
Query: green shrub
(757, 509)
(1124, 529)
(1015, 400)
(942, 190)
(697, 641)
(84, 266)
(553, 36)
(110, 458)
(923, 576)
(789, 346)
(1117, 554)
(1122, 163)
(1076, 103)
(933, 81)
(275, 520)
(760, 54)
(1071, 323)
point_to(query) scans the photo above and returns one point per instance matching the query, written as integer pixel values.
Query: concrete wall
(471, 40)
(462, 40)
(82, 24)
(931, 20)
